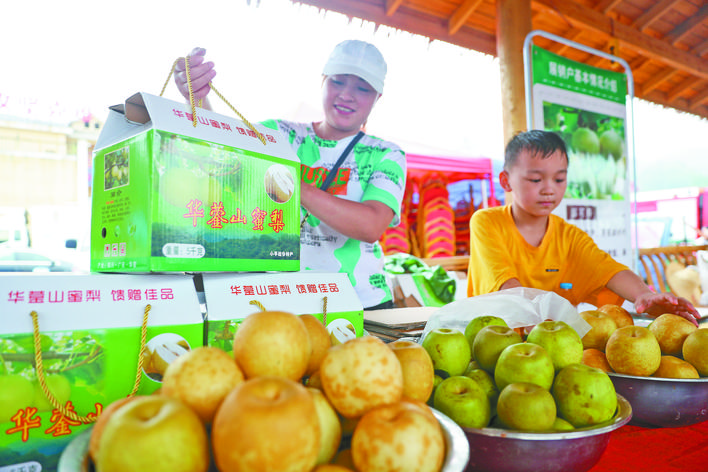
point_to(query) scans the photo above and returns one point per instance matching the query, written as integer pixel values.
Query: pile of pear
(287, 399)
(521, 379)
(547, 378)
(670, 346)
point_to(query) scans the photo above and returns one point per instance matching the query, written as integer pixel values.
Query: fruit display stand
(652, 449)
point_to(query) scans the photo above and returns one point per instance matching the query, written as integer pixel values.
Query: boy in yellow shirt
(523, 244)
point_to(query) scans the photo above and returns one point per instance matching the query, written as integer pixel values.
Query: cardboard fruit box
(89, 328)
(330, 297)
(169, 196)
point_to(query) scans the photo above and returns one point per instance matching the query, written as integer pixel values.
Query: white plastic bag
(519, 307)
(702, 263)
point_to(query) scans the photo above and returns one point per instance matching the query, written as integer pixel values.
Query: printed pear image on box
(169, 196)
(92, 353)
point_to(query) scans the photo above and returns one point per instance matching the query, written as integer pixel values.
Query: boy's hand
(656, 304)
(200, 72)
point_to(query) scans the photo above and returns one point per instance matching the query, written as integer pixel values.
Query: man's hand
(656, 304)
(200, 72)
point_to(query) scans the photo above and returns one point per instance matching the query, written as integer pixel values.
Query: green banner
(558, 71)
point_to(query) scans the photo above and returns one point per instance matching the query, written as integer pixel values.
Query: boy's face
(538, 183)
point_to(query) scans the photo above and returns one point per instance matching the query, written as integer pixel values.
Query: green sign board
(558, 71)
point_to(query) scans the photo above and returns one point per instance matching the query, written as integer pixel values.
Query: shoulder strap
(350, 146)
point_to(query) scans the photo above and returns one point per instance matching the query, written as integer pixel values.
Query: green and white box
(330, 297)
(172, 197)
(90, 330)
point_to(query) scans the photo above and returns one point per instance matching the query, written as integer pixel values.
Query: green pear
(524, 362)
(15, 394)
(58, 386)
(486, 381)
(585, 140)
(471, 366)
(526, 407)
(490, 342)
(611, 144)
(464, 401)
(448, 349)
(584, 395)
(475, 324)
(560, 340)
(562, 425)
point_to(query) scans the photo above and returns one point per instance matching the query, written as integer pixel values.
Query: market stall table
(635, 448)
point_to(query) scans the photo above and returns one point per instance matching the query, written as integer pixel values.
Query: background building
(45, 180)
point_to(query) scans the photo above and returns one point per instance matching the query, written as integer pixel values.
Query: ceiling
(665, 42)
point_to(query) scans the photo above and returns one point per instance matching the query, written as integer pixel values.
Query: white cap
(358, 58)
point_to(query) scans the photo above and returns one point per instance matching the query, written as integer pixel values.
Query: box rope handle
(218, 94)
(324, 308)
(39, 366)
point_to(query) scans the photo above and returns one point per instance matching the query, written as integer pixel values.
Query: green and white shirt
(374, 170)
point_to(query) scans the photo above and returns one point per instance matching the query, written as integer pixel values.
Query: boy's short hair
(535, 141)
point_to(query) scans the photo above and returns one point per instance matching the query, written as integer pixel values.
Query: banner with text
(586, 106)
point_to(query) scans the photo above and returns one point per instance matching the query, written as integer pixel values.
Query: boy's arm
(511, 283)
(631, 287)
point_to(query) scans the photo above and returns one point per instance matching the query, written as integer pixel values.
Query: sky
(72, 57)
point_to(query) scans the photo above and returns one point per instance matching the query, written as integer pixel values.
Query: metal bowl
(664, 402)
(501, 450)
(456, 443)
(75, 458)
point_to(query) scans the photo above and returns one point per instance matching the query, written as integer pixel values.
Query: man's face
(538, 183)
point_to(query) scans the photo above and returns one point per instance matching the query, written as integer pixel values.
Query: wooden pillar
(513, 24)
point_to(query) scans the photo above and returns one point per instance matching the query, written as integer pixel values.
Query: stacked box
(90, 330)
(169, 196)
(328, 296)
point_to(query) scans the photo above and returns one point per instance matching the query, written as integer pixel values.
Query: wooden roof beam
(573, 34)
(630, 37)
(676, 92)
(701, 49)
(605, 6)
(699, 100)
(392, 6)
(412, 22)
(656, 79)
(460, 16)
(638, 63)
(649, 16)
(678, 33)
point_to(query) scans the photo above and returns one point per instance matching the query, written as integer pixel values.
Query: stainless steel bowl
(501, 450)
(74, 458)
(458, 448)
(664, 402)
